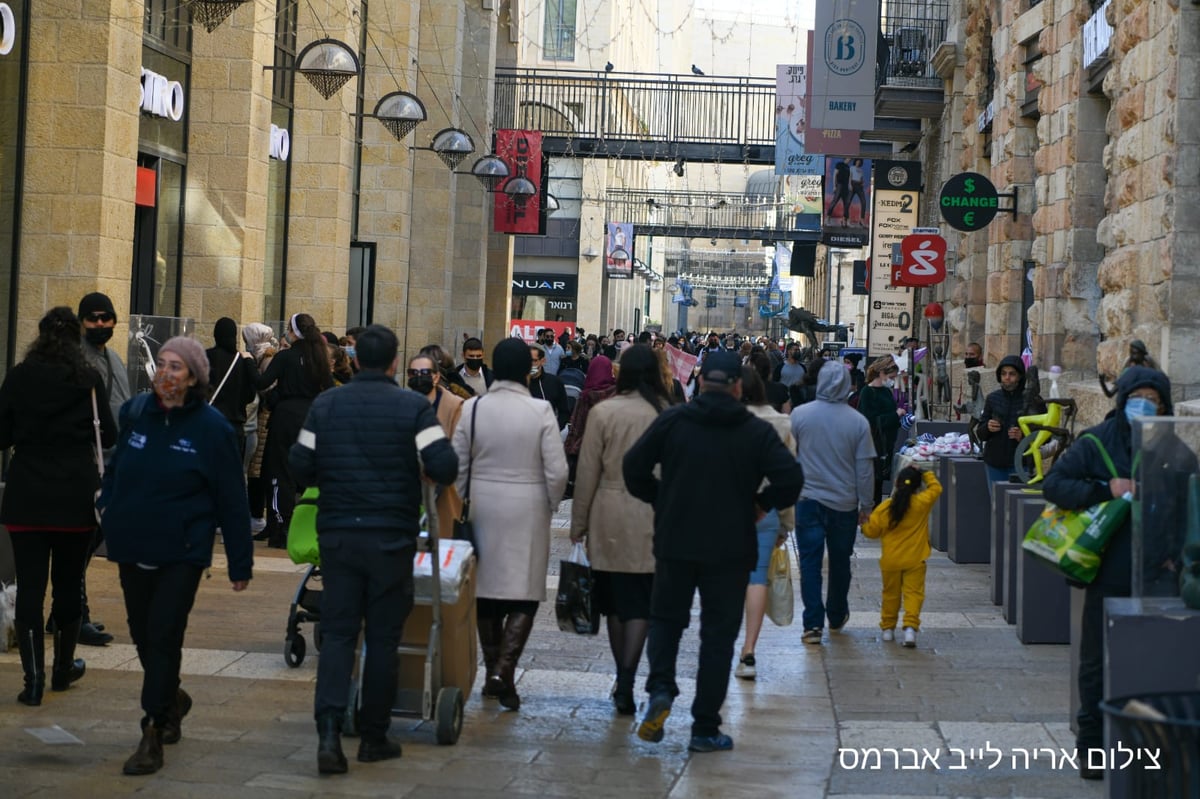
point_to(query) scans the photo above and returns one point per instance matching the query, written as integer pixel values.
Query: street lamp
(328, 65)
(211, 13)
(400, 113)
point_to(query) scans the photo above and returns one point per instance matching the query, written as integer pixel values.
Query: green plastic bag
(302, 532)
(1073, 541)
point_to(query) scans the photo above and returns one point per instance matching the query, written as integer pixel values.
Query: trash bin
(1162, 728)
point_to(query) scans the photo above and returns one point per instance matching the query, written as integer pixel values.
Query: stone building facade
(227, 222)
(1090, 112)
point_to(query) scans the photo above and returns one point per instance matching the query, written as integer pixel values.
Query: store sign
(894, 215)
(521, 151)
(8, 29)
(161, 97)
(557, 286)
(969, 202)
(281, 143)
(527, 329)
(922, 261)
(846, 33)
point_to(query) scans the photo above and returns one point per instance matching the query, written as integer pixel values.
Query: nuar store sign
(8, 29)
(281, 143)
(161, 97)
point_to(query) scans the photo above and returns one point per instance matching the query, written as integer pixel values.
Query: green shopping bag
(1073, 541)
(302, 532)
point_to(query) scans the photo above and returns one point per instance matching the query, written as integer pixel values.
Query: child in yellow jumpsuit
(902, 520)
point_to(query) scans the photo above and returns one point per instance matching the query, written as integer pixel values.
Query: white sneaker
(746, 669)
(889, 634)
(257, 525)
(910, 637)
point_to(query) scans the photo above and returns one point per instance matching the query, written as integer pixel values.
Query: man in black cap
(98, 317)
(710, 545)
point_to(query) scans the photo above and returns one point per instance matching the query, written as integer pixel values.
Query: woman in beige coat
(619, 529)
(517, 473)
(425, 377)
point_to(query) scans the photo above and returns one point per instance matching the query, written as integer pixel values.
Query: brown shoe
(172, 725)
(149, 755)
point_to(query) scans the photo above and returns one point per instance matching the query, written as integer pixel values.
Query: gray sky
(801, 11)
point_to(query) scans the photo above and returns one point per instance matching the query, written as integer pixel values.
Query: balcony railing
(910, 31)
(706, 215)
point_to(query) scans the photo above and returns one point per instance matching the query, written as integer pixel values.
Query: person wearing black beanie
(232, 377)
(511, 360)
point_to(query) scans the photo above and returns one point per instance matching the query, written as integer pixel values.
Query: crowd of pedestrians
(229, 437)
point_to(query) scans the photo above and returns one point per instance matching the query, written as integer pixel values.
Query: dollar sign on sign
(969, 185)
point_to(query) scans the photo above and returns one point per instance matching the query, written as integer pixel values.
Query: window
(1033, 86)
(558, 40)
(12, 135)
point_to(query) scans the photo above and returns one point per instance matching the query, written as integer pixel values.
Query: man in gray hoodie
(837, 456)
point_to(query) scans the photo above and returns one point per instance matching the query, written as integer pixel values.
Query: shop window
(167, 25)
(275, 260)
(1033, 85)
(558, 40)
(12, 135)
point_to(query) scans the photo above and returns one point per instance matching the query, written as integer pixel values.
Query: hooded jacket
(834, 445)
(238, 390)
(1080, 478)
(1006, 407)
(712, 435)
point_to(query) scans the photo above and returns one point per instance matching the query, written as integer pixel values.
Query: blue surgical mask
(1140, 406)
(349, 351)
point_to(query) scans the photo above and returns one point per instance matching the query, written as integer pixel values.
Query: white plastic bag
(781, 601)
(453, 555)
(8, 616)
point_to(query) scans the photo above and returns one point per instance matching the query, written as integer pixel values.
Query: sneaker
(837, 628)
(745, 668)
(910, 637)
(257, 525)
(812, 635)
(889, 634)
(711, 743)
(659, 708)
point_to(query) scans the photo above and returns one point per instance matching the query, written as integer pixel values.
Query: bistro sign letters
(161, 97)
(8, 29)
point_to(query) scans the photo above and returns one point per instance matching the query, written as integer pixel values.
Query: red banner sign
(521, 151)
(527, 328)
(923, 261)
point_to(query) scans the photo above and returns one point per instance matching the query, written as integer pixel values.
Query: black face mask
(474, 364)
(971, 363)
(98, 336)
(422, 384)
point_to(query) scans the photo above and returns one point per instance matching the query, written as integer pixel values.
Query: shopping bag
(781, 602)
(302, 531)
(8, 616)
(575, 604)
(1073, 541)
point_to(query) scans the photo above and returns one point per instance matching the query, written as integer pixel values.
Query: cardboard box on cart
(460, 642)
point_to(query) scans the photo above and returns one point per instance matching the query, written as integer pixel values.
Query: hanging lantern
(211, 13)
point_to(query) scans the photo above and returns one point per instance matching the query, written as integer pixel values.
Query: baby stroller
(306, 603)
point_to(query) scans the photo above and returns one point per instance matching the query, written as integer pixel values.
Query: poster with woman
(847, 201)
(618, 250)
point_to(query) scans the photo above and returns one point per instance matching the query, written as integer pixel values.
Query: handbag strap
(96, 430)
(228, 372)
(470, 459)
(1103, 454)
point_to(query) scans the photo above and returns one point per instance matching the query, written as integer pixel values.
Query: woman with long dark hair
(599, 385)
(619, 530)
(877, 402)
(49, 404)
(298, 374)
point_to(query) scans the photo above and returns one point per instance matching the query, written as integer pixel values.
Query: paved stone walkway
(961, 707)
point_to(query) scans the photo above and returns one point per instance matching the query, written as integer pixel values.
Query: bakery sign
(8, 29)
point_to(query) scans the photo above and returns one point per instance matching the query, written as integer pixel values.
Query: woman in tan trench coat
(619, 529)
(425, 377)
(518, 473)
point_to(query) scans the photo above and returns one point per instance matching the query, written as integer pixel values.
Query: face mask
(534, 371)
(971, 363)
(349, 352)
(98, 336)
(890, 382)
(474, 364)
(1140, 406)
(168, 387)
(422, 384)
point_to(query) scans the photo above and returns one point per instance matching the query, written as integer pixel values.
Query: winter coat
(264, 422)
(878, 404)
(449, 503)
(713, 434)
(1007, 406)
(618, 528)
(1080, 478)
(239, 388)
(906, 545)
(46, 416)
(359, 445)
(112, 372)
(518, 475)
(176, 477)
(549, 388)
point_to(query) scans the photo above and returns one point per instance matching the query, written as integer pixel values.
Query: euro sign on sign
(923, 261)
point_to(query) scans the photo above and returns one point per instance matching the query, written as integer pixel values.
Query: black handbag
(464, 528)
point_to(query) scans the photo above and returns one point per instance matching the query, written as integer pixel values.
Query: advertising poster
(819, 141)
(790, 112)
(521, 151)
(843, 65)
(527, 329)
(891, 308)
(803, 198)
(847, 212)
(618, 250)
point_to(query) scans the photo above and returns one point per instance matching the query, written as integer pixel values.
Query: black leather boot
(622, 695)
(330, 758)
(149, 755)
(172, 725)
(491, 633)
(372, 750)
(516, 632)
(32, 644)
(67, 668)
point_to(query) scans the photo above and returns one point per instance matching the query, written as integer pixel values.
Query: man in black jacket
(998, 426)
(364, 445)
(708, 544)
(548, 387)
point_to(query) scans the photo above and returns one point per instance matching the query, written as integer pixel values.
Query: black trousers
(367, 578)
(157, 604)
(1091, 666)
(49, 556)
(722, 597)
(287, 419)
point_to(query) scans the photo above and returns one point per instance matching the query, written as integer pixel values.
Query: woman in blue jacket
(175, 478)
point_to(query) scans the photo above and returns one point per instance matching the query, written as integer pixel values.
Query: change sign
(969, 202)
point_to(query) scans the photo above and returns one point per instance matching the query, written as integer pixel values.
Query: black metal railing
(581, 104)
(910, 31)
(698, 211)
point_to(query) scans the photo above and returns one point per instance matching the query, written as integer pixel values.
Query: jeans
(56, 556)
(816, 527)
(997, 474)
(157, 603)
(722, 597)
(367, 577)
